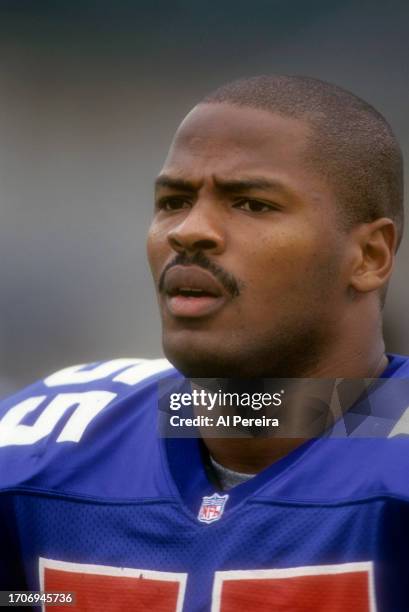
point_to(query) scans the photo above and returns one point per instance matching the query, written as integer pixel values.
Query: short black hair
(352, 144)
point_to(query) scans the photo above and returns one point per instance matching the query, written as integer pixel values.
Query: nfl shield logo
(212, 508)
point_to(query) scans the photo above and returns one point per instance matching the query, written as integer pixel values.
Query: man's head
(274, 228)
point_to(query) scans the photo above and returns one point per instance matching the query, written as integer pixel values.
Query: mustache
(227, 280)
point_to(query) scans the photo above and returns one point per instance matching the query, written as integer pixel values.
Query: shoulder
(95, 385)
(398, 366)
(377, 453)
(69, 417)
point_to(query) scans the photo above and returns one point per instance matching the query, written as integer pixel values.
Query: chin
(209, 355)
(198, 360)
(211, 362)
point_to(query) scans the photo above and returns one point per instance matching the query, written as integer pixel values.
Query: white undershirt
(226, 477)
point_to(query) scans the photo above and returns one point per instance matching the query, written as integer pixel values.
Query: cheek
(156, 247)
(268, 260)
(279, 270)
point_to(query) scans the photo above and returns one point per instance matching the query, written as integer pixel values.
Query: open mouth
(192, 292)
(189, 292)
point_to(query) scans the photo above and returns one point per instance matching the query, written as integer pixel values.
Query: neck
(251, 455)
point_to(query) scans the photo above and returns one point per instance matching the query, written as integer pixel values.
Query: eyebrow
(246, 184)
(227, 186)
(165, 180)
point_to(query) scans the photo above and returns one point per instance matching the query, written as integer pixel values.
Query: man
(277, 216)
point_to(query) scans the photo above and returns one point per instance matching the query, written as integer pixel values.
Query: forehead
(228, 139)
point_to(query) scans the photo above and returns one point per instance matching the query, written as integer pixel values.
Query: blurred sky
(90, 95)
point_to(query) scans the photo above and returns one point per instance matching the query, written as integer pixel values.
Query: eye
(254, 206)
(172, 203)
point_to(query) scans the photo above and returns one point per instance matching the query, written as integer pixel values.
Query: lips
(192, 292)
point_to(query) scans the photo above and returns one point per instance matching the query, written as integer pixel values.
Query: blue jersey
(93, 501)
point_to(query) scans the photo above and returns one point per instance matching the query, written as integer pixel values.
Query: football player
(278, 212)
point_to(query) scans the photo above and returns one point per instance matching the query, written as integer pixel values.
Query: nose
(202, 229)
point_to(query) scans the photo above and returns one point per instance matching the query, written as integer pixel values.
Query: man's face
(244, 247)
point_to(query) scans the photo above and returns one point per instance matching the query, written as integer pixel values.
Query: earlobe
(376, 244)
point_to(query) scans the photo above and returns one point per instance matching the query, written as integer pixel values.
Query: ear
(375, 244)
